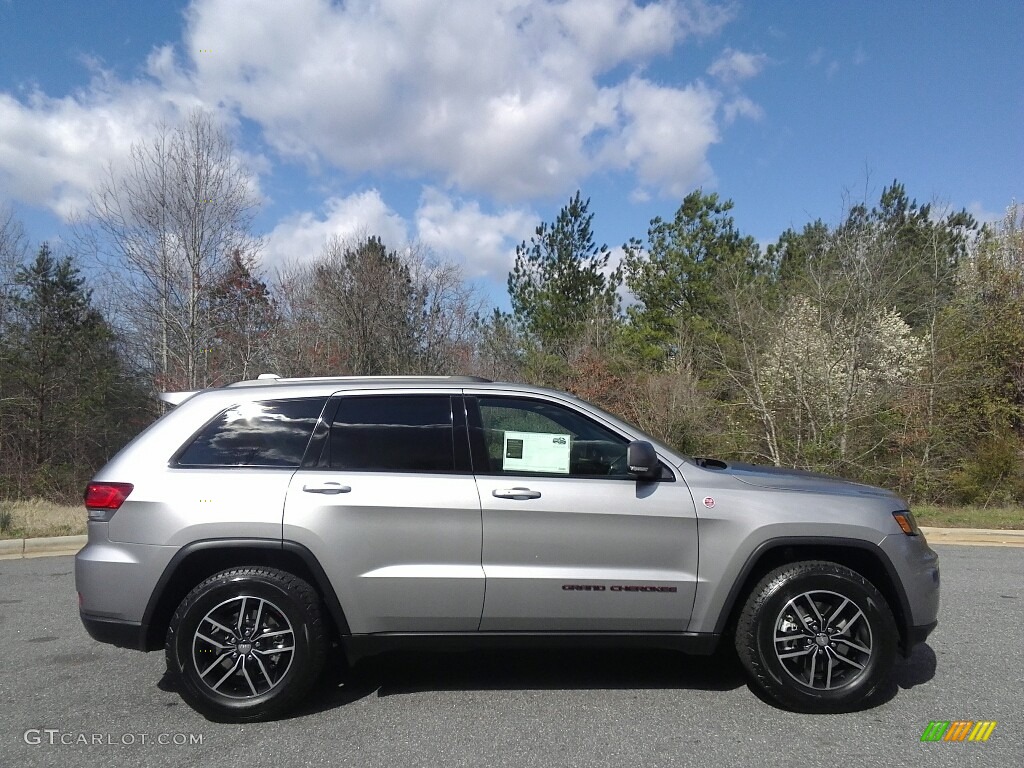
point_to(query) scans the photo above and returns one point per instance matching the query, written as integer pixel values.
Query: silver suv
(257, 525)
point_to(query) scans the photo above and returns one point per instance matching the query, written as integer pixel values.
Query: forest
(887, 347)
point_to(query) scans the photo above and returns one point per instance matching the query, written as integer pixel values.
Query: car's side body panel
(402, 551)
(588, 555)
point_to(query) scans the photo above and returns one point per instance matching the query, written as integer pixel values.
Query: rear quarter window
(269, 433)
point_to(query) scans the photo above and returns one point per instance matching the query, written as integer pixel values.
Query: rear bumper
(123, 634)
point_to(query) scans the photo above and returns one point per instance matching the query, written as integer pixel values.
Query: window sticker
(536, 452)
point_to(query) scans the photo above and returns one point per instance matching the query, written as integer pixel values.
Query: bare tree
(361, 308)
(449, 311)
(13, 251)
(166, 226)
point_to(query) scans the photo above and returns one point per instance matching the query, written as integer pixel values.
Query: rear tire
(247, 644)
(817, 636)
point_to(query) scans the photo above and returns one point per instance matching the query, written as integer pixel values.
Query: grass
(36, 517)
(970, 517)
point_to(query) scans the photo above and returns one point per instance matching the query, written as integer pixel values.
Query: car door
(570, 541)
(389, 506)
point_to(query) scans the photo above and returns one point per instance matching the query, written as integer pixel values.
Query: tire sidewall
(883, 634)
(277, 698)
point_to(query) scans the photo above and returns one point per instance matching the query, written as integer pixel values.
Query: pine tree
(560, 285)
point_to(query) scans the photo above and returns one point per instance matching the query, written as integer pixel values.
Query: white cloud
(733, 66)
(982, 214)
(665, 134)
(499, 97)
(301, 237)
(483, 243)
(509, 98)
(741, 106)
(54, 150)
(454, 229)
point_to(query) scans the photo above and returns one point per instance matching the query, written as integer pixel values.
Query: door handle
(519, 494)
(328, 488)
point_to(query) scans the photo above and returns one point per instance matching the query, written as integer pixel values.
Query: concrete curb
(56, 546)
(11, 548)
(49, 546)
(978, 537)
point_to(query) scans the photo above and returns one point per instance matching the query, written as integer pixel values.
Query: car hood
(784, 479)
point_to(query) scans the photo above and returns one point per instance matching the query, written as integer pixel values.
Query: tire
(785, 646)
(231, 668)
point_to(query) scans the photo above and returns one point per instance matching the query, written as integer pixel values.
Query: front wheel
(817, 636)
(246, 644)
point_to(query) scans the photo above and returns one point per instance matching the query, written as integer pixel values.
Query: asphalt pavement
(67, 700)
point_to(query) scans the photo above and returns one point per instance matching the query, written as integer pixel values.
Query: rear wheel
(817, 637)
(247, 644)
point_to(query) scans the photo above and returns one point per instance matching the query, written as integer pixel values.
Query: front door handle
(328, 487)
(519, 494)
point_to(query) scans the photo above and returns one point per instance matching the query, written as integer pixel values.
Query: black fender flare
(322, 582)
(904, 620)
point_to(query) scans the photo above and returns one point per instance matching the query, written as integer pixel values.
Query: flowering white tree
(822, 371)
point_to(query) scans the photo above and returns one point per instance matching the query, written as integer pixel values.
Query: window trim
(478, 449)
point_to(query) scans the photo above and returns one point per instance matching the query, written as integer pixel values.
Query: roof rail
(272, 378)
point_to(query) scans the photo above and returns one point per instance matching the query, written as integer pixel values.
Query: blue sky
(461, 125)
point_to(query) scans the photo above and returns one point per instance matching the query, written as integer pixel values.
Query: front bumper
(917, 579)
(918, 634)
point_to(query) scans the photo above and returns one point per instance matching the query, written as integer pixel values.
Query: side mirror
(642, 460)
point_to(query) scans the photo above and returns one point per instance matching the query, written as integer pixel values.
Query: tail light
(102, 500)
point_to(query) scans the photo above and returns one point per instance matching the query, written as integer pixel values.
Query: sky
(459, 125)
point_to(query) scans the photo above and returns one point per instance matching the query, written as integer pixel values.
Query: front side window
(270, 433)
(397, 433)
(516, 436)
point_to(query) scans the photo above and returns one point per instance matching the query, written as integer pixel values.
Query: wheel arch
(864, 557)
(199, 560)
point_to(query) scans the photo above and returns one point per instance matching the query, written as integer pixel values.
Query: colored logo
(958, 730)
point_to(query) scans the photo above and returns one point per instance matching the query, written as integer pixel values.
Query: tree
(370, 301)
(835, 354)
(362, 308)
(13, 249)
(167, 226)
(675, 277)
(69, 402)
(243, 317)
(979, 412)
(560, 285)
(925, 246)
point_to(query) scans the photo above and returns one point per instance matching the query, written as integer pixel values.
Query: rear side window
(271, 433)
(406, 433)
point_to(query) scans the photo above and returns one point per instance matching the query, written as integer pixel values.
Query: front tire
(246, 644)
(817, 636)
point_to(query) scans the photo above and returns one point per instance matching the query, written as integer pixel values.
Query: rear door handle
(328, 487)
(519, 494)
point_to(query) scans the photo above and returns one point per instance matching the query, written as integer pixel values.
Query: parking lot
(70, 701)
